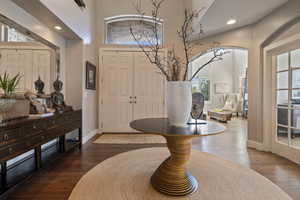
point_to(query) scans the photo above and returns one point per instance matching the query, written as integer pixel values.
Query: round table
(172, 177)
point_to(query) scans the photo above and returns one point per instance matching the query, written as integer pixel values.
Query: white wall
(83, 23)
(171, 12)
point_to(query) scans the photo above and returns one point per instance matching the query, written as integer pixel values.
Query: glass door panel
(295, 118)
(296, 78)
(282, 135)
(283, 61)
(295, 58)
(287, 93)
(295, 138)
(295, 99)
(282, 98)
(283, 80)
(282, 116)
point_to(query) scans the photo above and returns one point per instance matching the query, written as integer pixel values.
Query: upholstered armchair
(233, 103)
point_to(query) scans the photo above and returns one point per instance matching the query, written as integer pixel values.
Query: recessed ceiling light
(231, 21)
(58, 28)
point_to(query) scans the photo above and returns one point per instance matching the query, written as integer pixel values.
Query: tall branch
(217, 55)
(173, 67)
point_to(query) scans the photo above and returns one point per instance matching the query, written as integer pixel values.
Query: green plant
(9, 85)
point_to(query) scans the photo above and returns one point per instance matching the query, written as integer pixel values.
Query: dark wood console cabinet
(22, 135)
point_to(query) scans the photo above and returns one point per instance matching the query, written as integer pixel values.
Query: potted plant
(8, 86)
(176, 69)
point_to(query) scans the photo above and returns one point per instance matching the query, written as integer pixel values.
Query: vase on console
(179, 102)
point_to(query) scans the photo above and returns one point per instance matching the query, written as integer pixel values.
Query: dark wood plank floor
(56, 181)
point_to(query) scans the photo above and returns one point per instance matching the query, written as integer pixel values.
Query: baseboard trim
(90, 135)
(256, 145)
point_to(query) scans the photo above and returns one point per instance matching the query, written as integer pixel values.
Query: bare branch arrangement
(173, 67)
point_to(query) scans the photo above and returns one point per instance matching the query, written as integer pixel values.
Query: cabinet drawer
(68, 117)
(10, 134)
(60, 120)
(50, 123)
(12, 149)
(16, 148)
(37, 140)
(34, 128)
(4, 152)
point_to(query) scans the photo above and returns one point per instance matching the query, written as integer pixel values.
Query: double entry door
(131, 88)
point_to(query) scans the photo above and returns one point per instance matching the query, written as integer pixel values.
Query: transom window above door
(117, 29)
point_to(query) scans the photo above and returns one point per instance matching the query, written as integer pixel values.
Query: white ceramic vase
(179, 102)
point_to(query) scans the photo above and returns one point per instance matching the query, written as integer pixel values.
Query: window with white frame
(118, 29)
(288, 98)
(203, 85)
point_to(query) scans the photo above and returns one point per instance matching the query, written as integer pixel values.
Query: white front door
(148, 89)
(117, 85)
(131, 88)
(286, 104)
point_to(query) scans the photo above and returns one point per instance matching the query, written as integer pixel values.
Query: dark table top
(161, 126)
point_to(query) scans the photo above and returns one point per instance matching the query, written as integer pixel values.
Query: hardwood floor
(56, 181)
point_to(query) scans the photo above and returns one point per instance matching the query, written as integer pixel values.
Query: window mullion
(290, 85)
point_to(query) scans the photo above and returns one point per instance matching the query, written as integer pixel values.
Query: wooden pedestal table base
(172, 177)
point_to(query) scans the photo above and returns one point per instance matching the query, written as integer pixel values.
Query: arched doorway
(224, 85)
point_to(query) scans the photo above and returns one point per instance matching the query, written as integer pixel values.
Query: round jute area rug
(127, 177)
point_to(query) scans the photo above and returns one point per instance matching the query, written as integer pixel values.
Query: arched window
(117, 29)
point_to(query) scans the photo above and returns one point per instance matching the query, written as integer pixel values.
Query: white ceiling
(244, 11)
(78, 20)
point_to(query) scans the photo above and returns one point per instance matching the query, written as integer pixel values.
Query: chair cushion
(228, 106)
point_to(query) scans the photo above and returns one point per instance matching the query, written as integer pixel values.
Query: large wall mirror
(23, 52)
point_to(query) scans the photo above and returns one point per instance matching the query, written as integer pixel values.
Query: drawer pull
(10, 150)
(34, 127)
(5, 137)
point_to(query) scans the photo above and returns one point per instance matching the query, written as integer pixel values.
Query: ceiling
(78, 20)
(46, 16)
(244, 11)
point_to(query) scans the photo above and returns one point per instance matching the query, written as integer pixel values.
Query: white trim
(132, 17)
(24, 47)
(120, 18)
(269, 131)
(90, 135)
(256, 145)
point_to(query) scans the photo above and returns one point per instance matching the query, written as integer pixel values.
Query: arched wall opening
(224, 83)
